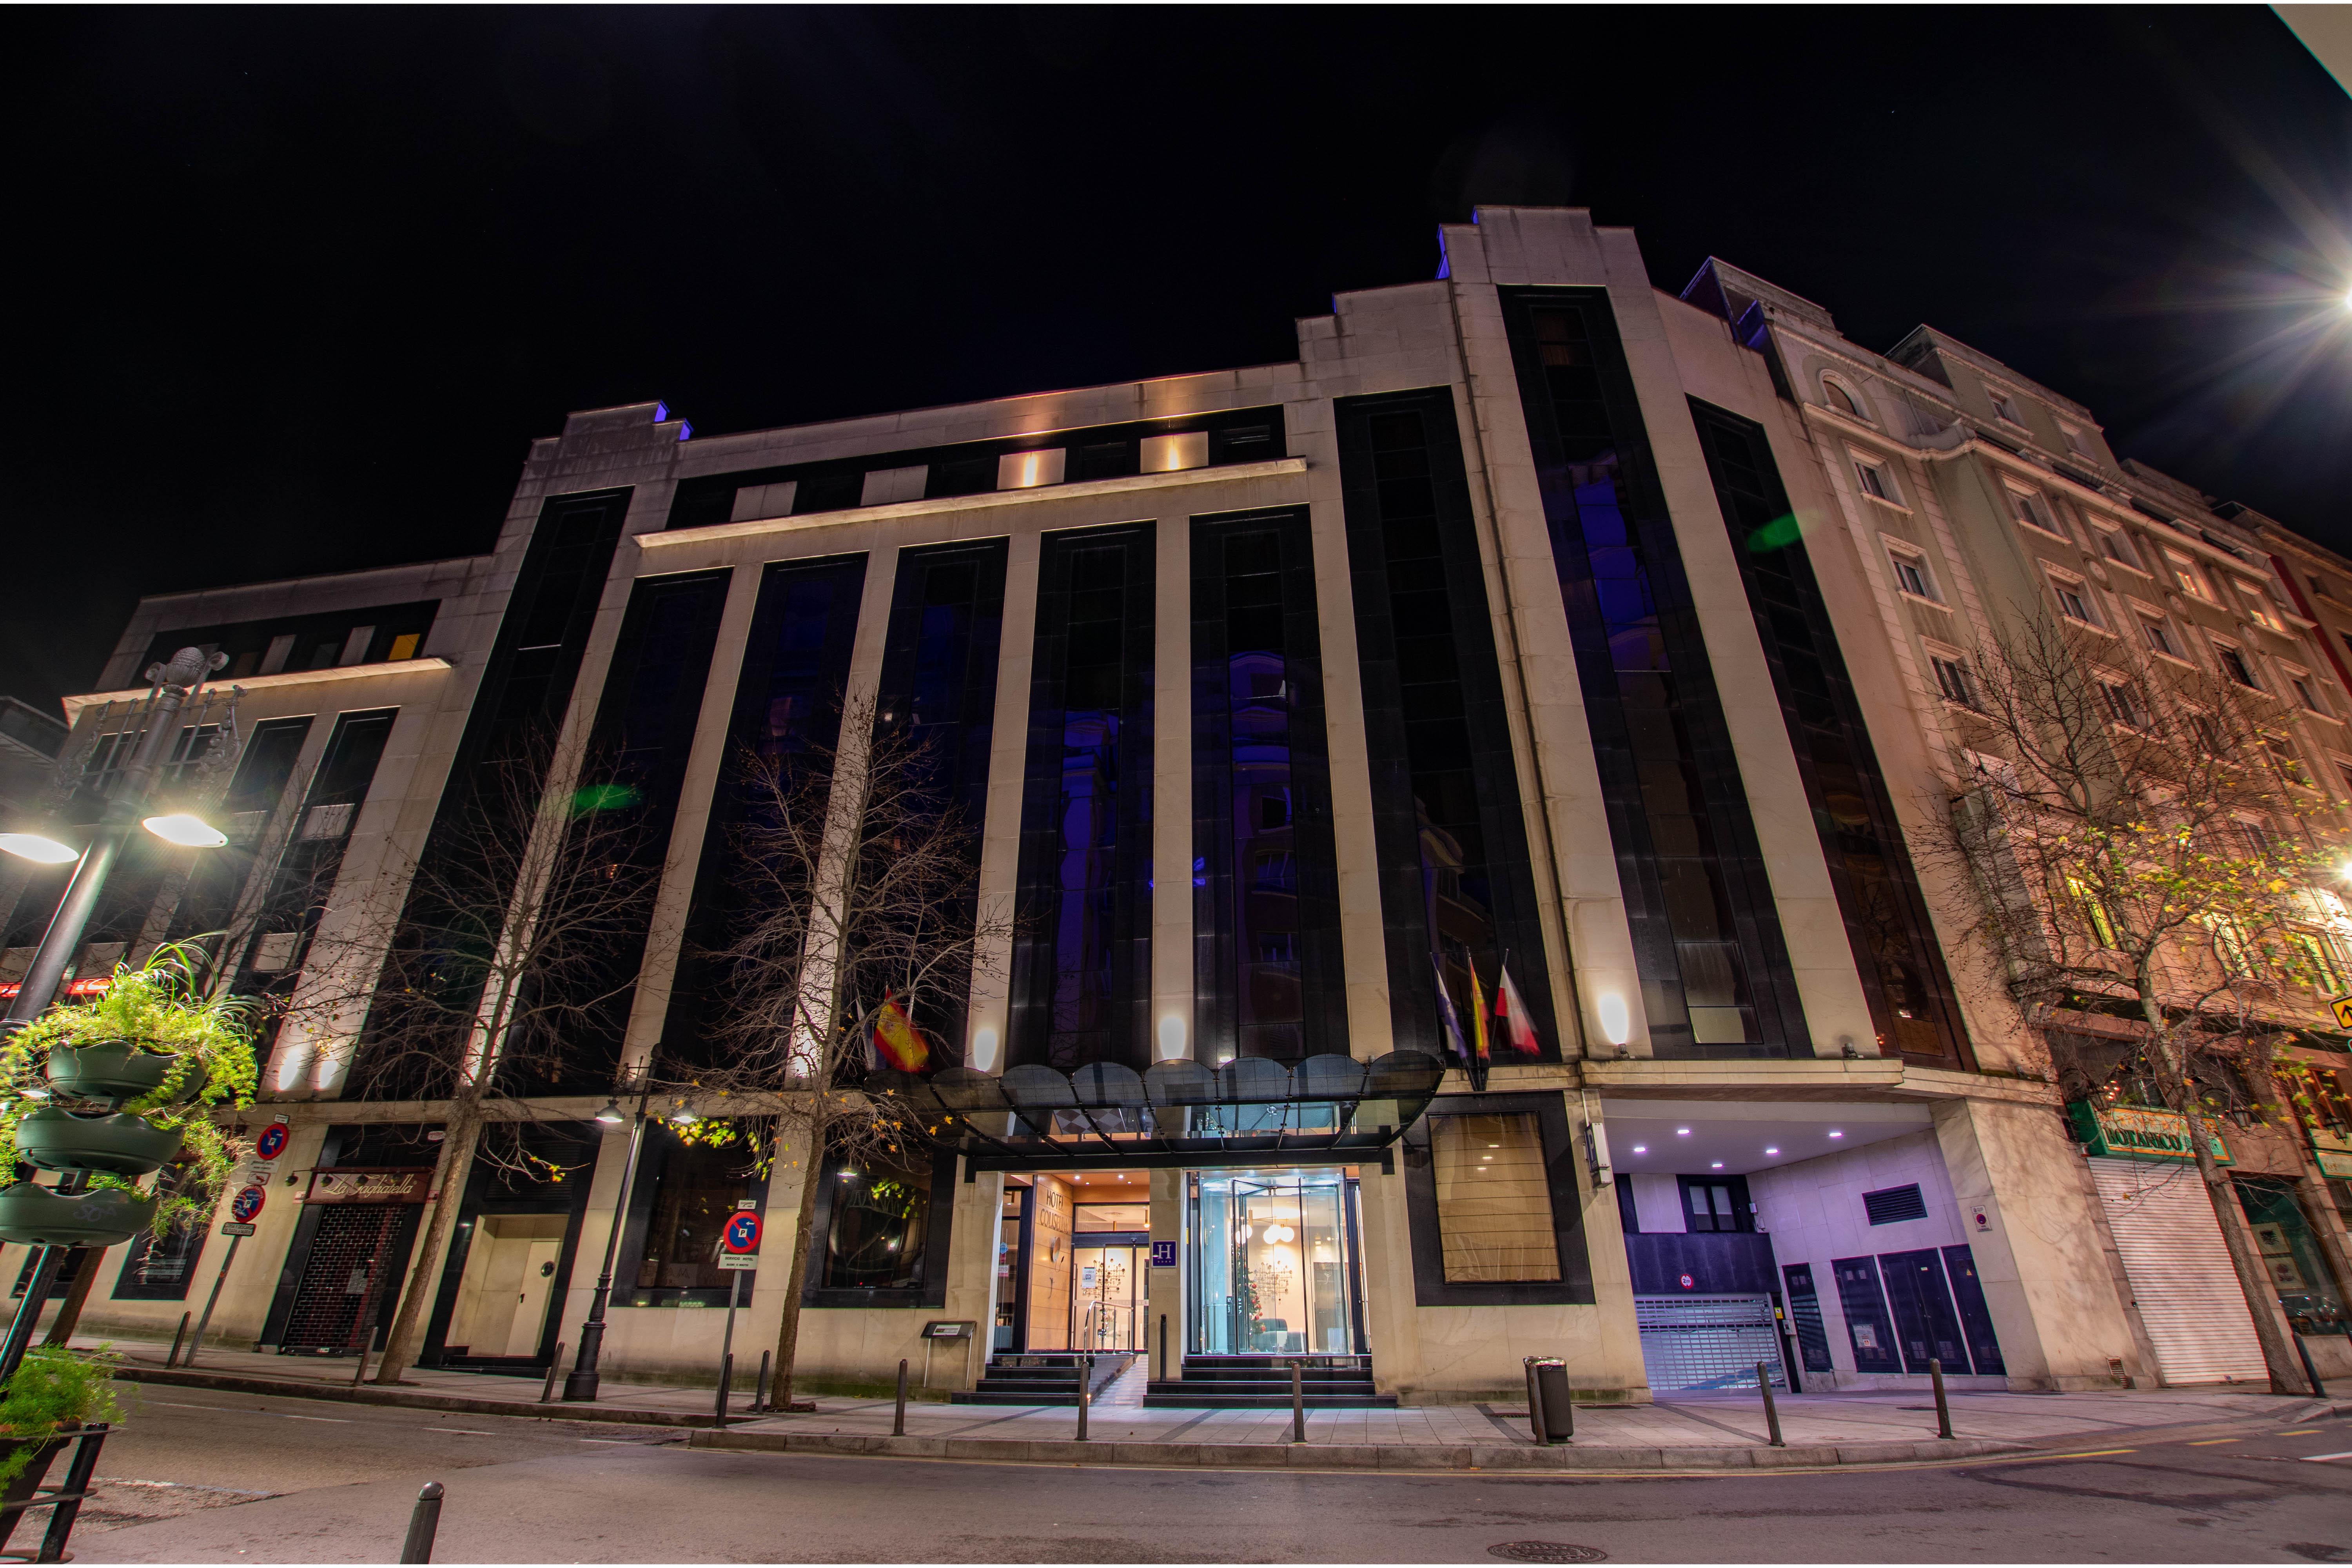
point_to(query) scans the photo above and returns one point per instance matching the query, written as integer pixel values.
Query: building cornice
(432, 664)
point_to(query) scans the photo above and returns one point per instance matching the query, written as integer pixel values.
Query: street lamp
(580, 1386)
(124, 810)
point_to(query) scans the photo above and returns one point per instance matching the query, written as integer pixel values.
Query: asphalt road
(558, 1490)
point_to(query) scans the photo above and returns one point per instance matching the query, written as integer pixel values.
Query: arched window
(1842, 400)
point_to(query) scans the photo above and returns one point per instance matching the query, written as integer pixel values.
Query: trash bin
(1552, 1415)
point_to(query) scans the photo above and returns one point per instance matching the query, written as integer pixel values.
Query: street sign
(742, 1233)
(231, 1227)
(2342, 1008)
(949, 1329)
(1163, 1255)
(247, 1204)
(739, 1260)
(272, 1141)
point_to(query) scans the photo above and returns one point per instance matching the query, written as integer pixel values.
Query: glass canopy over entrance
(1275, 1263)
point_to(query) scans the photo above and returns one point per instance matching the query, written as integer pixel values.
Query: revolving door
(1274, 1267)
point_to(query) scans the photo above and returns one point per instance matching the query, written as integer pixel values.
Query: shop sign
(2131, 1132)
(365, 1185)
(2333, 1151)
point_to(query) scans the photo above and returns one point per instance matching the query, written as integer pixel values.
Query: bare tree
(856, 879)
(2142, 835)
(506, 951)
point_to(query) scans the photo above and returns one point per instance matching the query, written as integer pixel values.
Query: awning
(1250, 1111)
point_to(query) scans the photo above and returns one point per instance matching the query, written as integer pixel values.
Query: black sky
(294, 287)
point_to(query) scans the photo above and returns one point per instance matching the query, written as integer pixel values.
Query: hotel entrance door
(1107, 1297)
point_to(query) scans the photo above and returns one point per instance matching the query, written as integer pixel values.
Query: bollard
(422, 1522)
(359, 1377)
(1772, 1411)
(1297, 1404)
(1086, 1372)
(2318, 1389)
(760, 1389)
(1163, 1347)
(174, 1356)
(554, 1365)
(726, 1376)
(899, 1418)
(1943, 1405)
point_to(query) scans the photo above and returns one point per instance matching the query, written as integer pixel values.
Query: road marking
(2209, 1442)
(625, 1442)
(2314, 1458)
(2298, 1432)
(181, 1405)
(2094, 1453)
(461, 1431)
(290, 1416)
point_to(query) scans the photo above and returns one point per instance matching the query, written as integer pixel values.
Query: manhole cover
(1546, 1551)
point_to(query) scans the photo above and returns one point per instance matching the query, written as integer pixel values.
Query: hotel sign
(2131, 1133)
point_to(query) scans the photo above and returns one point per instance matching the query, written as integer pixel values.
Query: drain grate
(1546, 1551)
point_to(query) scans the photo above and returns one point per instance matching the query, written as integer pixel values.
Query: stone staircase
(1263, 1383)
(1042, 1377)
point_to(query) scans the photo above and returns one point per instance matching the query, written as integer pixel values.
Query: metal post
(760, 1389)
(1163, 1347)
(581, 1386)
(2318, 1389)
(178, 1335)
(60, 942)
(727, 1345)
(1086, 1374)
(422, 1521)
(726, 1376)
(1297, 1404)
(361, 1375)
(898, 1419)
(47, 1264)
(1943, 1405)
(554, 1365)
(211, 1301)
(1772, 1411)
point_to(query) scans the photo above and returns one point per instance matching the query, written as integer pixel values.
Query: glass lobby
(1275, 1266)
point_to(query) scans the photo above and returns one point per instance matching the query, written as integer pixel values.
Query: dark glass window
(1081, 965)
(836, 492)
(1715, 970)
(938, 686)
(313, 854)
(1805, 1317)
(878, 1223)
(1455, 883)
(787, 704)
(217, 876)
(1900, 964)
(1868, 1329)
(1265, 902)
(1716, 1203)
(684, 1197)
(160, 1270)
(1924, 1325)
(1101, 460)
(962, 476)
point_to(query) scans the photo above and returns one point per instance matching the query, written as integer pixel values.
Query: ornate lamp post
(580, 1386)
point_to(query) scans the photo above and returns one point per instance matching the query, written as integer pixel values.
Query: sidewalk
(1705, 1432)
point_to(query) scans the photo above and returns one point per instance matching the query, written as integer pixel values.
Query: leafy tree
(2141, 840)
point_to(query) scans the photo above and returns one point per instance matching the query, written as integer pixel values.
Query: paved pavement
(542, 1490)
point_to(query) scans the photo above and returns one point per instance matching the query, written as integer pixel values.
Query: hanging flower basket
(110, 1069)
(36, 1216)
(127, 1146)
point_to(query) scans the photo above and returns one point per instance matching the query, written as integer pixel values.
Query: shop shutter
(2179, 1271)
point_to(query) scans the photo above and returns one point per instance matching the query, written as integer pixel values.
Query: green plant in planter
(54, 1390)
(152, 1050)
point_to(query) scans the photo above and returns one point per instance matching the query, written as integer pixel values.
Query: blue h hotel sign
(2131, 1133)
(1163, 1255)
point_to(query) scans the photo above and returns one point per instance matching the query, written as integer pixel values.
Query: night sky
(296, 288)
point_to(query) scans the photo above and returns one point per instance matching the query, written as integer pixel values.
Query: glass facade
(1455, 886)
(684, 1195)
(878, 1225)
(1716, 978)
(1265, 904)
(1899, 964)
(1274, 1263)
(1081, 964)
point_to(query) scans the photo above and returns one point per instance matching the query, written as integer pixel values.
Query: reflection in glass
(1107, 1297)
(1275, 1263)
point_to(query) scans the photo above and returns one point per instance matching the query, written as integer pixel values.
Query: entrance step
(1043, 1377)
(1263, 1383)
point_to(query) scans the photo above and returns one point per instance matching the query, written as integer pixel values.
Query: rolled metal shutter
(1707, 1342)
(2180, 1275)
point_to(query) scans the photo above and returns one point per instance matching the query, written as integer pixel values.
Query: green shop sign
(2136, 1133)
(2334, 1152)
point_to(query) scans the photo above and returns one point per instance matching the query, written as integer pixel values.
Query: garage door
(2179, 1271)
(1707, 1342)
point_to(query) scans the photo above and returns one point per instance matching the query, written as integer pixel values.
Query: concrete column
(1164, 1288)
(1000, 844)
(1171, 793)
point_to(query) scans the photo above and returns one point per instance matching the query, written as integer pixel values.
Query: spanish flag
(898, 1040)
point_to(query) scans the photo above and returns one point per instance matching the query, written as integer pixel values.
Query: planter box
(114, 1069)
(64, 1501)
(36, 1216)
(57, 1140)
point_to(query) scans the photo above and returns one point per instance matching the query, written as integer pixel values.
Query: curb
(369, 1394)
(1348, 1456)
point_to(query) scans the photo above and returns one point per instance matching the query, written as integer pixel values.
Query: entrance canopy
(1250, 1110)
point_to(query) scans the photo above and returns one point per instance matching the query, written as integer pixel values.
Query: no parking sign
(246, 1204)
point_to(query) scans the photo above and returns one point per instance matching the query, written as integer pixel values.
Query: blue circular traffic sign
(246, 1204)
(742, 1233)
(272, 1141)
